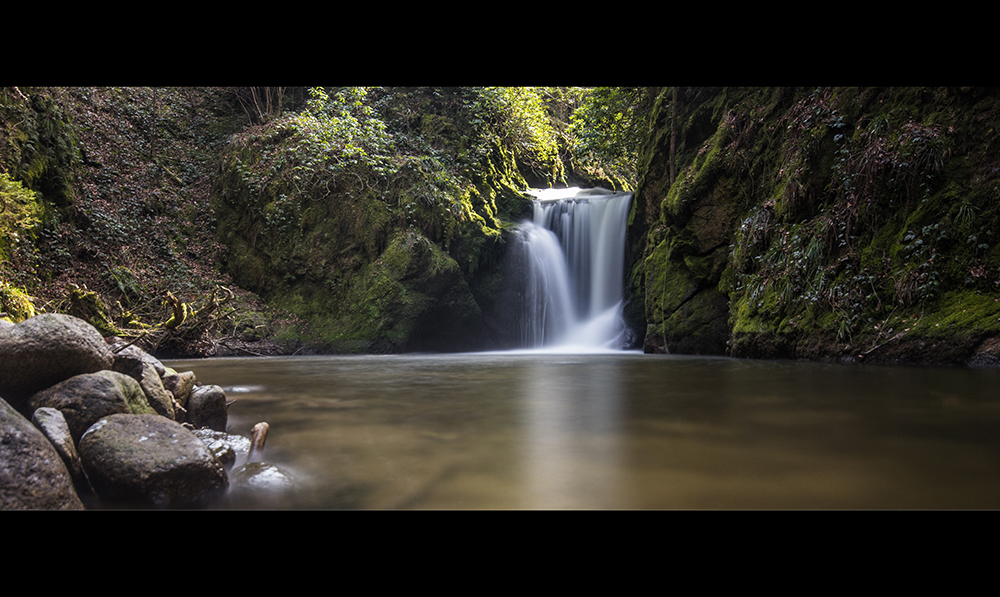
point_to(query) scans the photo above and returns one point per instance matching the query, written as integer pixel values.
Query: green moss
(15, 304)
(88, 306)
(852, 209)
(366, 249)
(961, 313)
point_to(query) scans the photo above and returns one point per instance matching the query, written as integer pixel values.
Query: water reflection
(619, 430)
(571, 428)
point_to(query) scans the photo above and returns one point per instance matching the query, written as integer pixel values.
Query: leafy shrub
(19, 212)
(607, 130)
(15, 304)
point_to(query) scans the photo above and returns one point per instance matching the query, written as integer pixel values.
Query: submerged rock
(46, 349)
(149, 460)
(261, 476)
(32, 474)
(227, 447)
(259, 484)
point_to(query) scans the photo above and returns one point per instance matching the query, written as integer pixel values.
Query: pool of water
(615, 431)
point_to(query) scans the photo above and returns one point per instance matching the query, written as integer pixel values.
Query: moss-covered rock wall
(825, 223)
(382, 229)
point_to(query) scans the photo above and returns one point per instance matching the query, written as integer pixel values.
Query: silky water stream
(571, 421)
(625, 430)
(572, 259)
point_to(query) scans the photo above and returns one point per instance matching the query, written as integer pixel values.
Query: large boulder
(46, 349)
(148, 460)
(84, 399)
(32, 475)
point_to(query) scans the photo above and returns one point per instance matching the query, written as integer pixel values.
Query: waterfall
(573, 252)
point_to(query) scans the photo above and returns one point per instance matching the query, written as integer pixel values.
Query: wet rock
(260, 485)
(84, 399)
(149, 380)
(226, 447)
(46, 349)
(123, 350)
(52, 424)
(207, 408)
(256, 484)
(149, 460)
(987, 354)
(32, 474)
(261, 476)
(180, 385)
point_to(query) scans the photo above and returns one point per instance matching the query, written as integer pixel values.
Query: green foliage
(607, 129)
(37, 143)
(515, 118)
(19, 212)
(309, 202)
(15, 304)
(859, 209)
(336, 132)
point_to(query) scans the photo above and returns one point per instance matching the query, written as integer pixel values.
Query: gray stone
(261, 476)
(122, 349)
(207, 408)
(32, 475)
(52, 423)
(84, 399)
(260, 485)
(180, 385)
(149, 380)
(46, 349)
(149, 460)
(226, 447)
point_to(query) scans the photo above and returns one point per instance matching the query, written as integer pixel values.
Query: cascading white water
(575, 252)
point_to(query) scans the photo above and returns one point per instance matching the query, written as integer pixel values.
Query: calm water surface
(616, 431)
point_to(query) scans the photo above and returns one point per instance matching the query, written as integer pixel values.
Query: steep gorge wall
(387, 252)
(337, 220)
(839, 224)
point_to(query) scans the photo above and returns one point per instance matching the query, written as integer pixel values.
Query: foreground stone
(52, 424)
(85, 399)
(46, 349)
(148, 460)
(32, 474)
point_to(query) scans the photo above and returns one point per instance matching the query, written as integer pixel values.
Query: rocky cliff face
(384, 235)
(836, 224)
